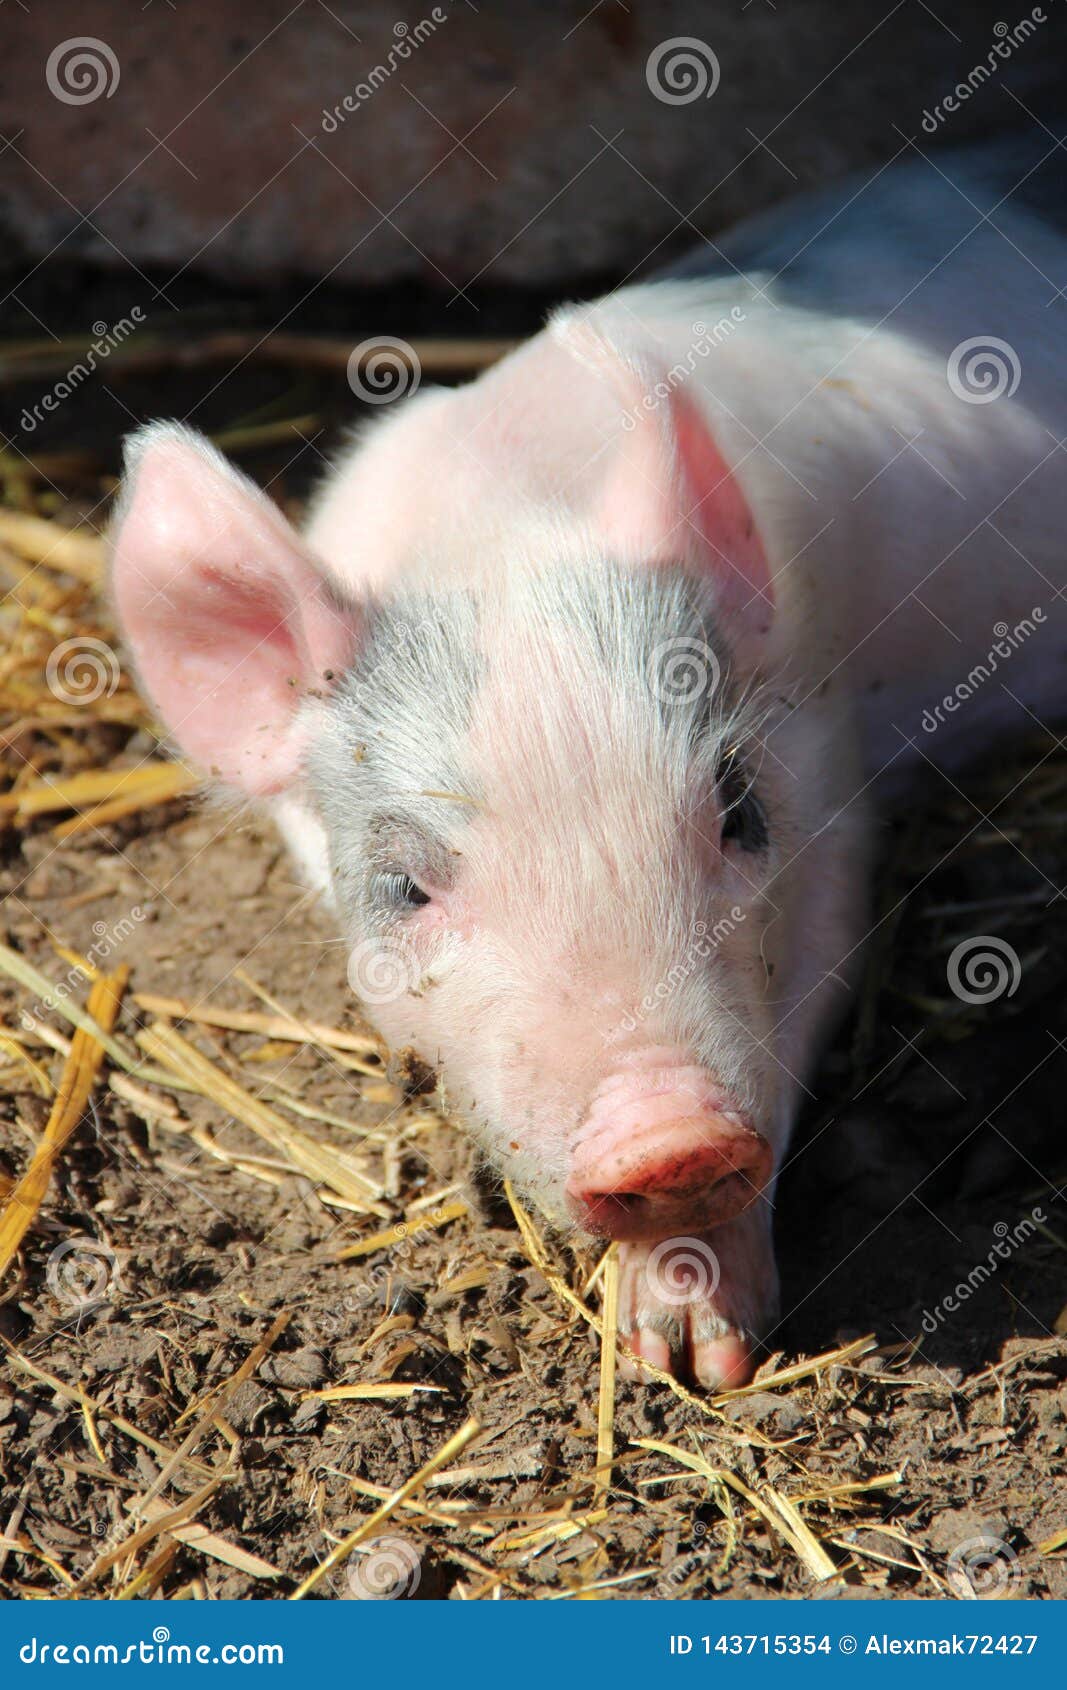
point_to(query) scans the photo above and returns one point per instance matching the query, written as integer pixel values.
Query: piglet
(576, 690)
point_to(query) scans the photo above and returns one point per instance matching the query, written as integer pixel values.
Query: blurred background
(188, 184)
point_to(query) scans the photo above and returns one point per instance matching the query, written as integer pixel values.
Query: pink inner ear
(721, 514)
(229, 620)
(670, 494)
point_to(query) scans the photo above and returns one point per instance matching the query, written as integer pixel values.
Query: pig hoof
(693, 1307)
(720, 1365)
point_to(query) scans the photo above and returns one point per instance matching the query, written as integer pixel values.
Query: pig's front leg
(698, 1305)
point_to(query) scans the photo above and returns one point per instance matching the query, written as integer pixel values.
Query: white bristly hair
(527, 748)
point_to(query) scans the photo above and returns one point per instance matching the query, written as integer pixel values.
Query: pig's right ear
(668, 492)
(231, 625)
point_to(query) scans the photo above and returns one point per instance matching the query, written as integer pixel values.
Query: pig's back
(933, 510)
(909, 215)
(892, 507)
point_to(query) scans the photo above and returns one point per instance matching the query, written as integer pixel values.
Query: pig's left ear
(231, 625)
(668, 494)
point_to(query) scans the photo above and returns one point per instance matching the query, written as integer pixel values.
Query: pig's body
(772, 473)
(840, 361)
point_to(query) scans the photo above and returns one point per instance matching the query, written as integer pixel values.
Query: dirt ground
(897, 1193)
(921, 1208)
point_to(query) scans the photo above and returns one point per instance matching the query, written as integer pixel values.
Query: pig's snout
(662, 1151)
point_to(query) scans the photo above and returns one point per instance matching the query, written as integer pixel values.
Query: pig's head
(553, 837)
(550, 850)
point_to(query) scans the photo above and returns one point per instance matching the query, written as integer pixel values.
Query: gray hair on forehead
(629, 661)
(394, 730)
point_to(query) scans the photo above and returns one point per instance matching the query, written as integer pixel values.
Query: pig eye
(401, 892)
(744, 823)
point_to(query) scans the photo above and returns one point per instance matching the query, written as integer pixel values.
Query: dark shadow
(917, 1189)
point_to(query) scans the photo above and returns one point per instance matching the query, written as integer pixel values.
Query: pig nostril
(630, 1202)
(657, 1164)
(613, 1212)
(635, 1214)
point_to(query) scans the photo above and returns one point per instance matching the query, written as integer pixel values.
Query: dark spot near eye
(744, 822)
(408, 1071)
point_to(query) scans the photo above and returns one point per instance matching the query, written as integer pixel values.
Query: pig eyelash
(399, 891)
(744, 821)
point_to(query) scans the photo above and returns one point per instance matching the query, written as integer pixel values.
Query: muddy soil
(935, 1136)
